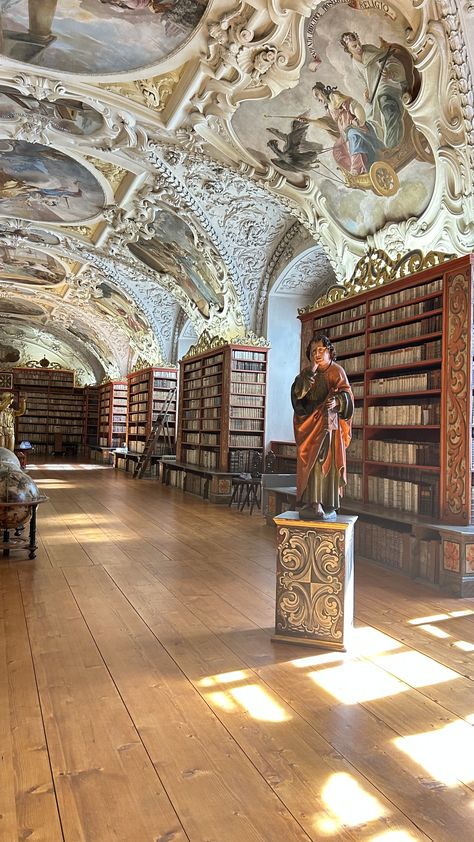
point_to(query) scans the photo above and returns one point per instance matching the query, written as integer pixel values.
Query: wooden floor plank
(28, 808)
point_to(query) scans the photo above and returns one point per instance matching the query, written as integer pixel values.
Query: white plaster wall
(283, 332)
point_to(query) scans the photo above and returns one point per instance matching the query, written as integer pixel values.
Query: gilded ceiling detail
(231, 150)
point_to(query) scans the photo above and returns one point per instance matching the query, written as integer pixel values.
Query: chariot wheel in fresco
(383, 179)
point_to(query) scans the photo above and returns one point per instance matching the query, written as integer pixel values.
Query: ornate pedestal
(315, 581)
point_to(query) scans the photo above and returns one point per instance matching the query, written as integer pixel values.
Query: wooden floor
(142, 700)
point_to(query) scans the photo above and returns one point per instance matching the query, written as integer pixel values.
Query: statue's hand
(330, 402)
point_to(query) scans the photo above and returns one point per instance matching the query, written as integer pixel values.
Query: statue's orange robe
(317, 426)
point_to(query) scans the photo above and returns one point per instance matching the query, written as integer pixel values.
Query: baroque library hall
(236, 421)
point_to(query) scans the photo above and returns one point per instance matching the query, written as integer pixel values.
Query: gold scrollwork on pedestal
(457, 424)
(310, 583)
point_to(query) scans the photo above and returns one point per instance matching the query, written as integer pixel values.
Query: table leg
(32, 547)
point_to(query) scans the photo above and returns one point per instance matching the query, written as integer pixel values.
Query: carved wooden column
(315, 581)
(456, 400)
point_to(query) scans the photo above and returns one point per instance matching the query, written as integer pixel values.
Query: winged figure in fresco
(297, 153)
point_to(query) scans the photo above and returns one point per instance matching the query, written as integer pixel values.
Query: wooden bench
(215, 486)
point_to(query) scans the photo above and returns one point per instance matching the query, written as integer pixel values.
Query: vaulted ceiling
(166, 165)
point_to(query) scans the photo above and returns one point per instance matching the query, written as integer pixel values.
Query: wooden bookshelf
(222, 408)
(91, 415)
(148, 393)
(112, 413)
(54, 418)
(285, 456)
(407, 349)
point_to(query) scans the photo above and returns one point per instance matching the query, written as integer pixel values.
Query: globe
(8, 457)
(16, 488)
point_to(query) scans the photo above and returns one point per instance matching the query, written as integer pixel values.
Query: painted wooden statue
(323, 403)
(7, 419)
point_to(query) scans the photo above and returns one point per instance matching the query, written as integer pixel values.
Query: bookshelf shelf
(412, 428)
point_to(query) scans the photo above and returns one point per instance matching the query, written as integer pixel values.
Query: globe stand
(13, 543)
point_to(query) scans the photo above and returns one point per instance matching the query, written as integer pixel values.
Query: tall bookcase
(54, 418)
(91, 415)
(112, 413)
(148, 394)
(406, 346)
(222, 408)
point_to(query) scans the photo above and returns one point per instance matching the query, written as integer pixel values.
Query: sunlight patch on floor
(447, 754)
(464, 645)
(347, 805)
(357, 682)
(416, 669)
(253, 698)
(434, 630)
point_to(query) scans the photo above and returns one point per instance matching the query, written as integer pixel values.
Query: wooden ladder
(160, 426)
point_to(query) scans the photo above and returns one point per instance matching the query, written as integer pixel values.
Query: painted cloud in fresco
(97, 36)
(44, 185)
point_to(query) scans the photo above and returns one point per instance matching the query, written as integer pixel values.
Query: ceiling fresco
(174, 251)
(29, 267)
(167, 165)
(345, 125)
(43, 184)
(97, 36)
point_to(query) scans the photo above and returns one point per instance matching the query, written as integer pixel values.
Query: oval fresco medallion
(97, 36)
(345, 126)
(44, 185)
(173, 251)
(64, 115)
(29, 267)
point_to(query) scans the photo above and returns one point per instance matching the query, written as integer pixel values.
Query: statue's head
(324, 340)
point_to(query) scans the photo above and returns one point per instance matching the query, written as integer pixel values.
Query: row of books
(403, 452)
(405, 356)
(241, 461)
(421, 382)
(404, 414)
(356, 448)
(358, 416)
(407, 496)
(411, 330)
(353, 488)
(212, 380)
(245, 441)
(248, 400)
(342, 316)
(356, 343)
(247, 424)
(404, 295)
(407, 312)
(247, 366)
(248, 388)
(356, 326)
(254, 356)
(381, 544)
